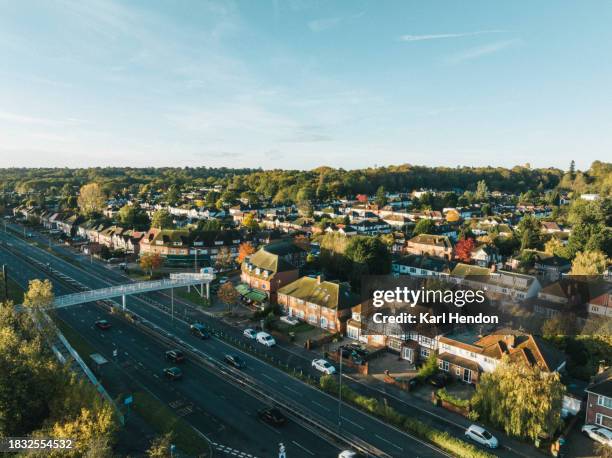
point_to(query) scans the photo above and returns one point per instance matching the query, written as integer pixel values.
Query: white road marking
(352, 423)
(320, 405)
(268, 377)
(303, 448)
(292, 390)
(389, 442)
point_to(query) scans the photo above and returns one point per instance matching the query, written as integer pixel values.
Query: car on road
(265, 339)
(223, 280)
(599, 434)
(176, 356)
(199, 330)
(324, 366)
(235, 360)
(439, 380)
(173, 373)
(347, 454)
(272, 416)
(482, 436)
(103, 325)
(250, 333)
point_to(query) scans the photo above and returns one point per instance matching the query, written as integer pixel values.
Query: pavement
(155, 307)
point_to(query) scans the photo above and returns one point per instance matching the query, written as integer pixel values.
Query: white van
(265, 339)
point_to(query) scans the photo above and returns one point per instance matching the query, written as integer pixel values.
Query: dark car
(235, 361)
(439, 380)
(173, 373)
(103, 325)
(199, 330)
(272, 416)
(176, 356)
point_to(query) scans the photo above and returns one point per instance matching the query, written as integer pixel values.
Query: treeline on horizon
(322, 182)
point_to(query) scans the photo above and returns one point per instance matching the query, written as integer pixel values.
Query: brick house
(321, 303)
(433, 245)
(165, 242)
(267, 270)
(599, 400)
(465, 355)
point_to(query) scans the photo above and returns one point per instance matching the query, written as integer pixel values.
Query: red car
(103, 325)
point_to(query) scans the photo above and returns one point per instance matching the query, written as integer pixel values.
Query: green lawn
(164, 420)
(193, 296)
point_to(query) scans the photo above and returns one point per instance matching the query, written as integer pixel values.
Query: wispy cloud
(440, 36)
(480, 51)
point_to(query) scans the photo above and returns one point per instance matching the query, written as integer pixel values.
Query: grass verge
(193, 296)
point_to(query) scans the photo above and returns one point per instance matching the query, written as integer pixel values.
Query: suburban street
(214, 396)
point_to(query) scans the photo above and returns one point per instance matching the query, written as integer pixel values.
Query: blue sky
(298, 84)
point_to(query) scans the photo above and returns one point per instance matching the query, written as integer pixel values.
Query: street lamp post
(340, 390)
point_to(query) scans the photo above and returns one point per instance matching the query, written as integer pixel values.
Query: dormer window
(258, 271)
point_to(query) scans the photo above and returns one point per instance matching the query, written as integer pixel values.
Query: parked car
(235, 361)
(599, 434)
(482, 436)
(323, 366)
(173, 373)
(103, 325)
(176, 356)
(250, 333)
(439, 380)
(272, 416)
(199, 330)
(265, 339)
(290, 320)
(223, 280)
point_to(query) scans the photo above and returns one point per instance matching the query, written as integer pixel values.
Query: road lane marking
(292, 390)
(389, 442)
(303, 448)
(352, 423)
(268, 377)
(321, 405)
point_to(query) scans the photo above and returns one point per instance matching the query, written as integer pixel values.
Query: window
(443, 365)
(458, 372)
(395, 344)
(424, 352)
(603, 420)
(604, 401)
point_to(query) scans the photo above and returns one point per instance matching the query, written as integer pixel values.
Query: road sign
(281, 451)
(115, 353)
(127, 401)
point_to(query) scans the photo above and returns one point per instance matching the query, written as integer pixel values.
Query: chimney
(510, 340)
(602, 367)
(319, 279)
(493, 267)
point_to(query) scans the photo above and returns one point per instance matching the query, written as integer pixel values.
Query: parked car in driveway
(236, 361)
(323, 366)
(265, 339)
(103, 325)
(599, 434)
(272, 416)
(199, 330)
(173, 373)
(482, 436)
(250, 333)
(176, 356)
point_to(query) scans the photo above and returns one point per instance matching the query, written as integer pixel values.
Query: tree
(91, 200)
(133, 216)
(423, 226)
(482, 191)
(172, 196)
(367, 256)
(227, 294)
(589, 263)
(526, 409)
(224, 259)
(162, 219)
(160, 447)
(463, 249)
(572, 169)
(529, 232)
(250, 222)
(381, 197)
(245, 249)
(39, 294)
(554, 247)
(150, 262)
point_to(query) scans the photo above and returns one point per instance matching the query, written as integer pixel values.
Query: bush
(446, 396)
(429, 368)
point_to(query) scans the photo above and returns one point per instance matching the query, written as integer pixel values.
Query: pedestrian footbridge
(175, 281)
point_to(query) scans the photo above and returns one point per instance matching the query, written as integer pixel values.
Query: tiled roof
(325, 293)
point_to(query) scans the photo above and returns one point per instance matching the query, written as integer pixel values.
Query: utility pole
(172, 305)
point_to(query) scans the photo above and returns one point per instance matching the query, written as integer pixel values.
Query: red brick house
(268, 270)
(599, 401)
